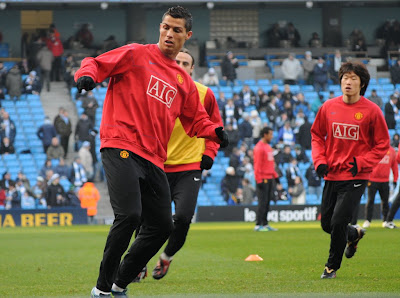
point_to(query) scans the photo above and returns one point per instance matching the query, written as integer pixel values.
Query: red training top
(264, 162)
(342, 131)
(146, 93)
(381, 171)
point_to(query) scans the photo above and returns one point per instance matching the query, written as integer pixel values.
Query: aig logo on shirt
(161, 91)
(345, 131)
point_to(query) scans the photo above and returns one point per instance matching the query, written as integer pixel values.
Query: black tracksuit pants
(339, 199)
(383, 188)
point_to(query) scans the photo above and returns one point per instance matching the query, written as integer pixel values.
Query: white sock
(165, 257)
(98, 292)
(115, 288)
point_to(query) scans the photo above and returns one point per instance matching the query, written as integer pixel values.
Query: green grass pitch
(64, 262)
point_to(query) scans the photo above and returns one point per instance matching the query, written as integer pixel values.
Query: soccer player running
(186, 158)
(349, 137)
(266, 177)
(146, 93)
(379, 181)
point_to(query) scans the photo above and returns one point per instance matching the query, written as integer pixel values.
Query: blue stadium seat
(305, 88)
(384, 81)
(263, 82)
(250, 82)
(277, 81)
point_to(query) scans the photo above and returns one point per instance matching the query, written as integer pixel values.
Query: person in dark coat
(228, 67)
(82, 130)
(304, 135)
(391, 111)
(46, 133)
(63, 126)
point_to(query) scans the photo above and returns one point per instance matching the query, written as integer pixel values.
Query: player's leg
(392, 212)
(327, 205)
(369, 207)
(185, 188)
(156, 225)
(384, 193)
(123, 176)
(262, 196)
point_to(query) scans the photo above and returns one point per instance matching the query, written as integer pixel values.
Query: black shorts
(135, 184)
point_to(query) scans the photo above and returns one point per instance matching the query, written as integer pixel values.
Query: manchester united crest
(124, 154)
(180, 78)
(358, 116)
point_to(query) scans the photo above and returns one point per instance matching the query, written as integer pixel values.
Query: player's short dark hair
(179, 12)
(360, 70)
(265, 130)
(186, 51)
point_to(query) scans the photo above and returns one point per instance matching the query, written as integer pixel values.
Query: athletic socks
(115, 288)
(165, 257)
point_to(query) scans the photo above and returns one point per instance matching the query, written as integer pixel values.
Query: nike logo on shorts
(357, 185)
(196, 179)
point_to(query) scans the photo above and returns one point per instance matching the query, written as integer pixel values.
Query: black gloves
(322, 170)
(354, 169)
(86, 83)
(223, 136)
(394, 185)
(206, 162)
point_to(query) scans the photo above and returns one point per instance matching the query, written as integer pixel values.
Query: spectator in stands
(210, 78)
(285, 156)
(301, 155)
(320, 75)
(230, 111)
(62, 169)
(247, 96)
(391, 112)
(335, 64)
(63, 126)
(374, 97)
(262, 100)
(304, 135)
(109, 44)
(235, 158)
(55, 150)
(355, 36)
(272, 111)
(7, 128)
(229, 183)
(291, 69)
(233, 135)
(286, 134)
(13, 197)
(78, 177)
(395, 141)
(24, 66)
(308, 65)
(314, 181)
(246, 130)
(3, 75)
(55, 195)
(82, 130)
(39, 191)
(2, 96)
(228, 67)
(14, 83)
(292, 171)
(23, 182)
(27, 201)
(257, 125)
(45, 60)
(90, 105)
(48, 166)
(222, 101)
(84, 36)
(70, 67)
(248, 192)
(274, 91)
(288, 110)
(86, 160)
(32, 83)
(5, 182)
(293, 35)
(6, 147)
(56, 47)
(274, 36)
(314, 41)
(395, 72)
(46, 132)
(287, 94)
(317, 103)
(89, 196)
(297, 192)
(301, 104)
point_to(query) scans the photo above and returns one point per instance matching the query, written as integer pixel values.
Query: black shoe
(328, 273)
(352, 246)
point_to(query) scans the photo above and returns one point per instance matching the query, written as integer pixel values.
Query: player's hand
(206, 162)
(223, 136)
(86, 83)
(322, 170)
(354, 168)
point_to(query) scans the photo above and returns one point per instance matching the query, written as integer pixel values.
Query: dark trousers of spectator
(383, 188)
(45, 147)
(393, 209)
(339, 199)
(64, 141)
(265, 193)
(46, 79)
(56, 69)
(289, 82)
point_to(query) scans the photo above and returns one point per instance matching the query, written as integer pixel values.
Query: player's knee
(182, 220)
(133, 218)
(326, 226)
